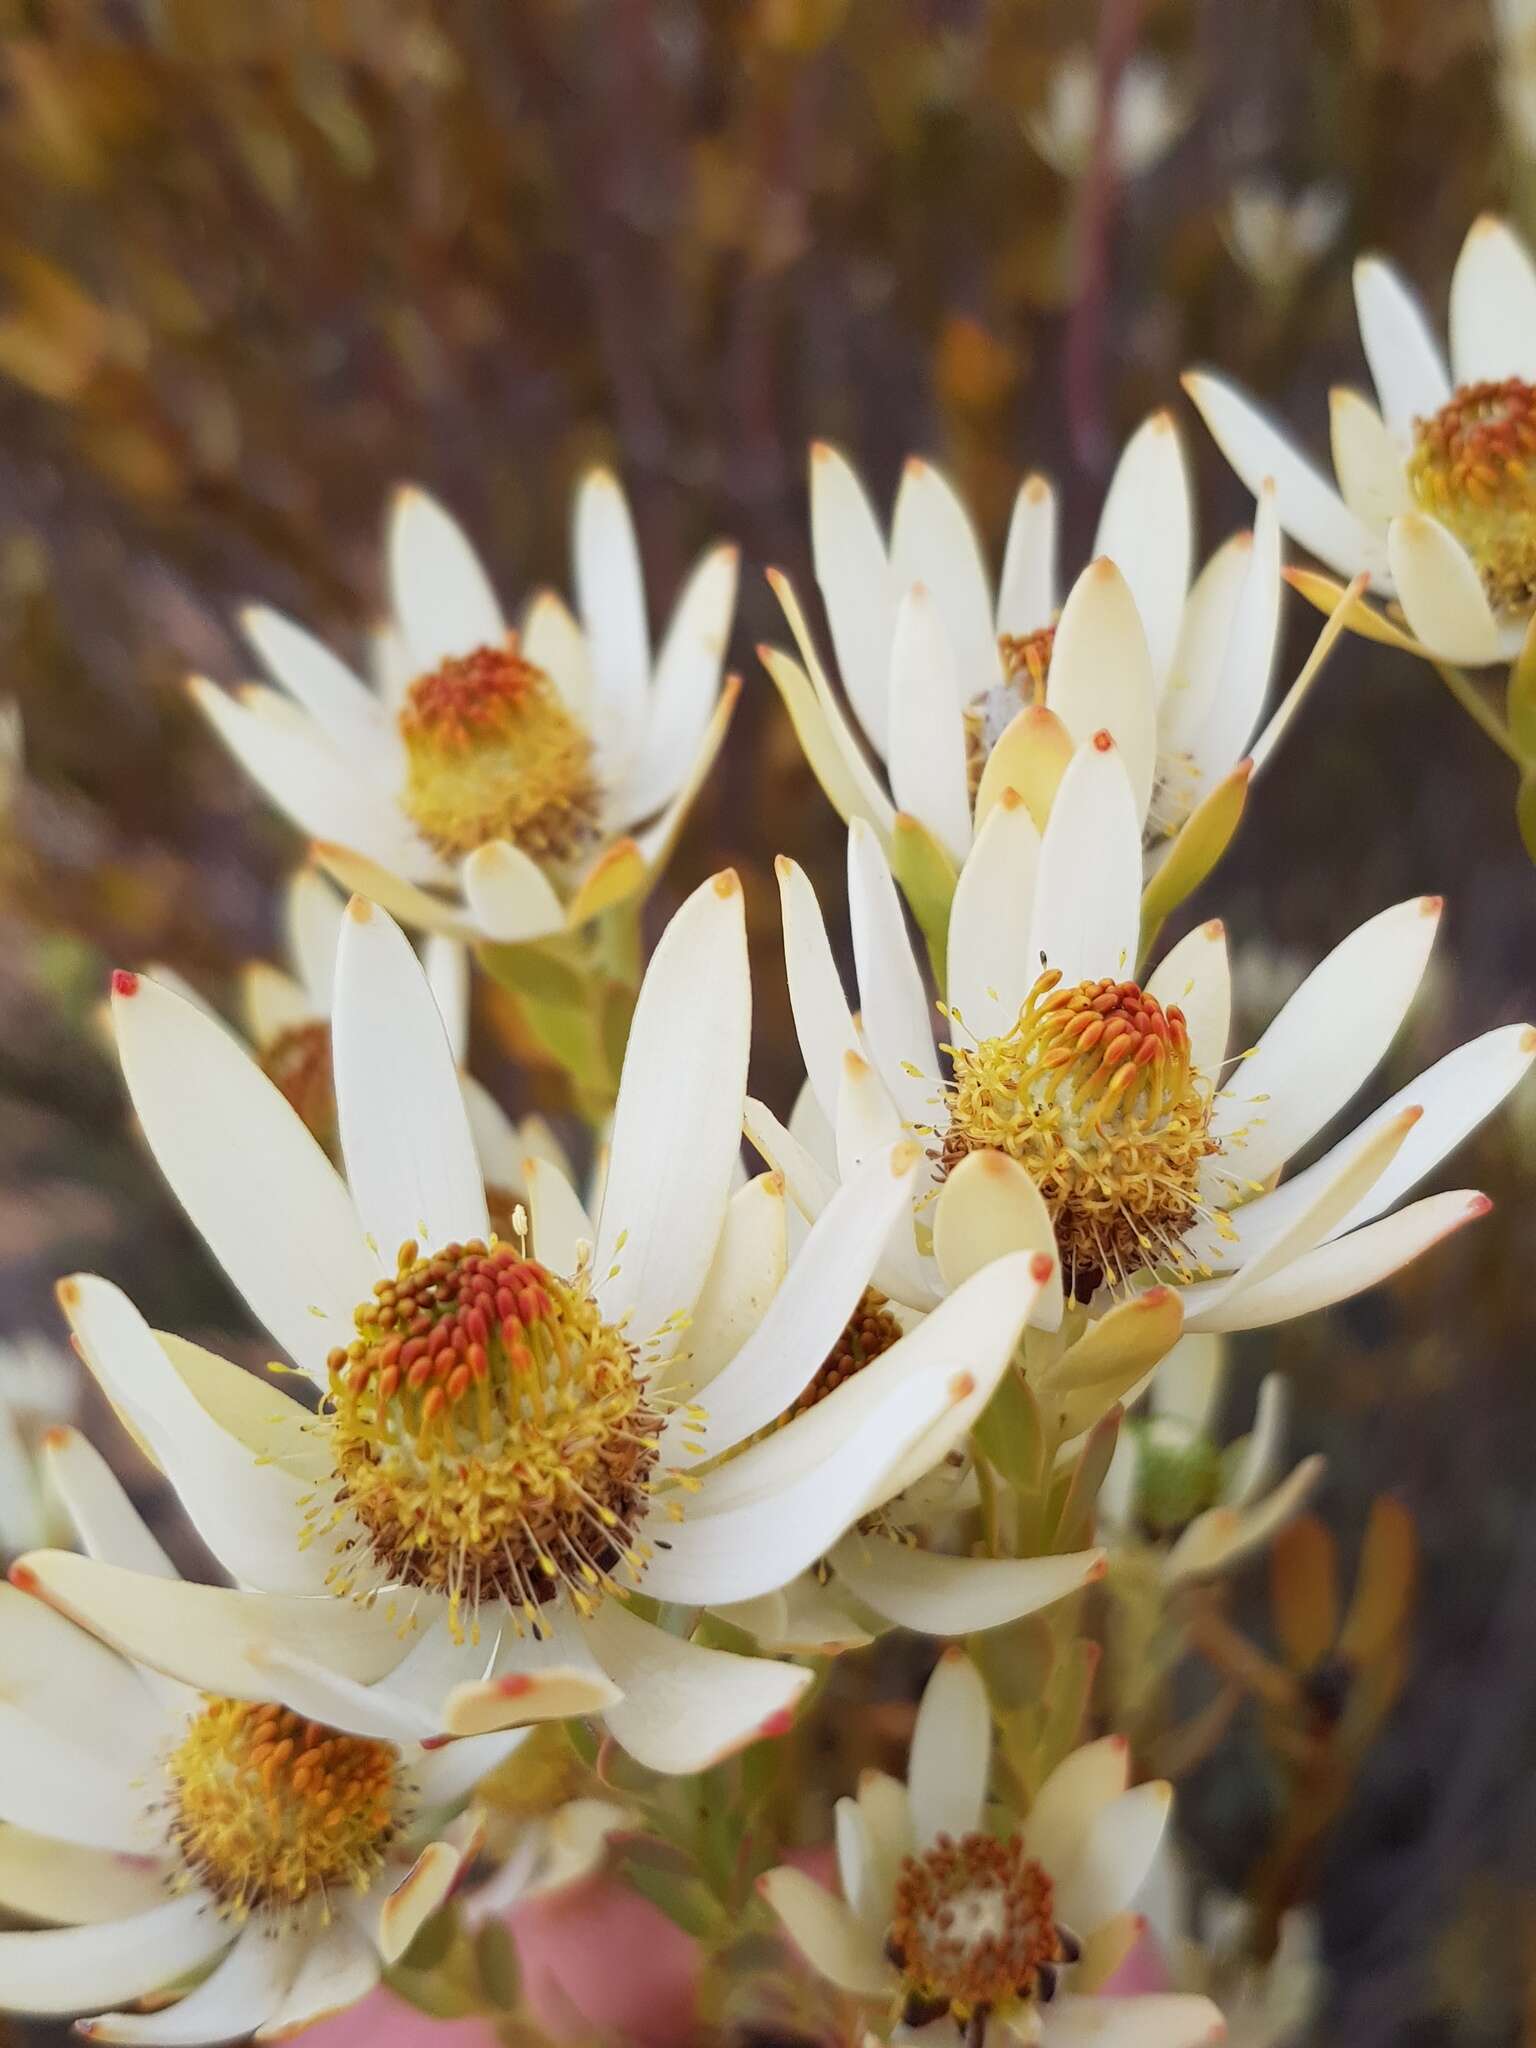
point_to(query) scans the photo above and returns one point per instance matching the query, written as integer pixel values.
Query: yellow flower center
(1026, 659)
(490, 1433)
(269, 1810)
(299, 1061)
(492, 753)
(868, 1332)
(973, 1928)
(1474, 467)
(1093, 1092)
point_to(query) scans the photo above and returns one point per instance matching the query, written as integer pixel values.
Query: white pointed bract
(959, 1927)
(1152, 1155)
(499, 784)
(1434, 494)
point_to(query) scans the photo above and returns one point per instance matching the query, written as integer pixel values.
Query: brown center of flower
(493, 753)
(298, 1060)
(1473, 466)
(1093, 1092)
(491, 1434)
(268, 1810)
(973, 1928)
(868, 1332)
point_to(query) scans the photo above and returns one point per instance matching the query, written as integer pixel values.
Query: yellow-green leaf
(1202, 840)
(927, 876)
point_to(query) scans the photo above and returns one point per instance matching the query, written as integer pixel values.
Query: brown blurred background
(258, 264)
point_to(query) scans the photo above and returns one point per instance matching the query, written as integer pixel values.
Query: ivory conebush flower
(958, 692)
(170, 1831)
(501, 785)
(1433, 494)
(967, 1930)
(1082, 1109)
(507, 1443)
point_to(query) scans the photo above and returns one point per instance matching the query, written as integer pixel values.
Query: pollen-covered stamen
(299, 1061)
(869, 1331)
(1094, 1093)
(490, 1434)
(268, 1810)
(1473, 466)
(492, 753)
(1026, 659)
(973, 1928)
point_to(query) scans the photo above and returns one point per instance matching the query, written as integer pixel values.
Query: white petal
(1187, 1385)
(687, 684)
(685, 1708)
(419, 908)
(744, 1276)
(610, 596)
(898, 1018)
(1026, 597)
(989, 1206)
(868, 1121)
(411, 1159)
(1350, 1264)
(1064, 1810)
(1223, 1536)
(447, 968)
(1326, 1041)
(1310, 509)
(1366, 460)
(240, 1995)
(806, 1317)
(314, 784)
(1200, 659)
(1441, 592)
(857, 587)
(552, 641)
(345, 709)
(441, 595)
(1493, 306)
(271, 1002)
(677, 1124)
(991, 965)
(106, 1523)
(823, 1022)
(1087, 913)
(1157, 2020)
(937, 1595)
(753, 1546)
(269, 1204)
(509, 894)
(41, 1879)
(53, 1784)
(62, 1969)
(934, 542)
(249, 1512)
(1115, 1855)
(445, 1776)
(416, 1898)
(845, 774)
(1405, 360)
(1196, 977)
(810, 1184)
(338, 1969)
(828, 1933)
(1147, 530)
(927, 731)
(562, 1230)
(1234, 712)
(1102, 677)
(951, 1752)
(1254, 1472)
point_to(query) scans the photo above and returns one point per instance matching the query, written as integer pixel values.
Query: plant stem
(1478, 709)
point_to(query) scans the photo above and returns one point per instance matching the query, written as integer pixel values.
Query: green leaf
(927, 876)
(1520, 704)
(1075, 1524)
(544, 973)
(1010, 1434)
(1525, 814)
(496, 1960)
(676, 1891)
(1202, 840)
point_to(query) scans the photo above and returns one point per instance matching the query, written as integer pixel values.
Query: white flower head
(1087, 1107)
(509, 1427)
(171, 1831)
(1150, 115)
(495, 784)
(1205, 1506)
(1278, 239)
(960, 692)
(1434, 494)
(39, 1387)
(970, 1933)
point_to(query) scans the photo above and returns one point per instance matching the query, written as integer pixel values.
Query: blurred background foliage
(257, 264)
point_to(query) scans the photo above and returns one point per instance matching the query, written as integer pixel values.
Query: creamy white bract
(970, 1931)
(1434, 493)
(499, 784)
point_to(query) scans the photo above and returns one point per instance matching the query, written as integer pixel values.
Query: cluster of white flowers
(553, 1445)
